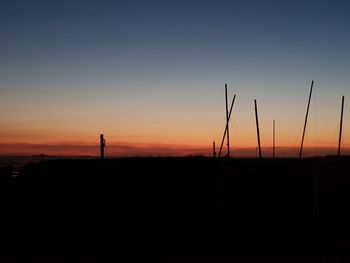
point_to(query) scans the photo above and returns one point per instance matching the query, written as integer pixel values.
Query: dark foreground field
(176, 210)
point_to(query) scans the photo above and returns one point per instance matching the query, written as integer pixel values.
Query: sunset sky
(150, 75)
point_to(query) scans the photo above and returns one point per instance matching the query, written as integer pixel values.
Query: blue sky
(158, 68)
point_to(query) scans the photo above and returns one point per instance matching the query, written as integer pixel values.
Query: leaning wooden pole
(306, 117)
(257, 128)
(227, 124)
(341, 125)
(274, 139)
(225, 132)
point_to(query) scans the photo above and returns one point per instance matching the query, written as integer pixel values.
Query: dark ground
(176, 210)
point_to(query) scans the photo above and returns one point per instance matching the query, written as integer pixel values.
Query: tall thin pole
(214, 152)
(225, 132)
(227, 126)
(306, 117)
(257, 127)
(102, 146)
(274, 139)
(341, 125)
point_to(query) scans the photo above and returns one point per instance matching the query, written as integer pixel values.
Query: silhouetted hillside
(176, 206)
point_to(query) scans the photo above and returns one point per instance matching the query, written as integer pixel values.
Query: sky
(150, 75)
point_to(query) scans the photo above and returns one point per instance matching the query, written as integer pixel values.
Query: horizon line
(144, 149)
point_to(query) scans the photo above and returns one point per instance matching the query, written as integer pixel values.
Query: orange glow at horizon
(182, 140)
(172, 120)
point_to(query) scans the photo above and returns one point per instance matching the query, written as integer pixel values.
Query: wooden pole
(225, 132)
(306, 117)
(274, 140)
(341, 125)
(214, 152)
(257, 128)
(227, 124)
(102, 146)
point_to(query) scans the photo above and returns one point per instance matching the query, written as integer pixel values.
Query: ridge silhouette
(170, 206)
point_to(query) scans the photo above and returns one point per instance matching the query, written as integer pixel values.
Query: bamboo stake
(257, 128)
(229, 117)
(214, 152)
(341, 125)
(274, 139)
(227, 126)
(306, 117)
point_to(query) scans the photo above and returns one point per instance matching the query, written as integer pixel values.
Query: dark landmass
(17, 162)
(176, 209)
